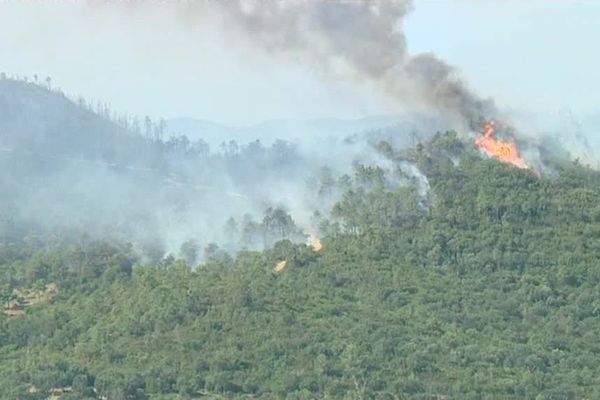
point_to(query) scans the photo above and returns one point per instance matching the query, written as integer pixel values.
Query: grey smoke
(440, 86)
(360, 38)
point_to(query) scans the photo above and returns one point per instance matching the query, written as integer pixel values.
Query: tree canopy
(481, 284)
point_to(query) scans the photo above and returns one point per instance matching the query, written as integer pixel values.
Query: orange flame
(314, 242)
(280, 266)
(507, 152)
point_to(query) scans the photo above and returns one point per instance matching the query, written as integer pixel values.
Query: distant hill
(310, 130)
(36, 119)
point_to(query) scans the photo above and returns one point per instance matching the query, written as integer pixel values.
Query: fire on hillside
(506, 152)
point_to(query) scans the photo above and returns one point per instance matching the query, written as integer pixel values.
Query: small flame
(280, 266)
(314, 242)
(507, 152)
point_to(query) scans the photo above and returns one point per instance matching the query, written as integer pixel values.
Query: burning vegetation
(314, 242)
(280, 266)
(506, 152)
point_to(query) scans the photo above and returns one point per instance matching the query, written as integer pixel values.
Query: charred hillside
(467, 279)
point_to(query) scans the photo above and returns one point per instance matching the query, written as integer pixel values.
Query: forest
(468, 279)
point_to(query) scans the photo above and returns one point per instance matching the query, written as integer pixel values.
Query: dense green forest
(485, 285)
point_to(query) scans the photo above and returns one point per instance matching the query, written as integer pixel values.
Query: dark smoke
(363, 37)
(441, 87)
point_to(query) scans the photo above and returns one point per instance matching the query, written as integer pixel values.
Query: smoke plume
(360, 38)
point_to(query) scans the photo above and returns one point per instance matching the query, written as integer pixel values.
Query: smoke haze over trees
(74, 168)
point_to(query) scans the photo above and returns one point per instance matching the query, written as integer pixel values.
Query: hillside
(71, 169)
(66, 166)
(484, 285)
(40, 120)
(310, 130)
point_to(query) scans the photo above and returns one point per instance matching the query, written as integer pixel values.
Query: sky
(535, 55)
